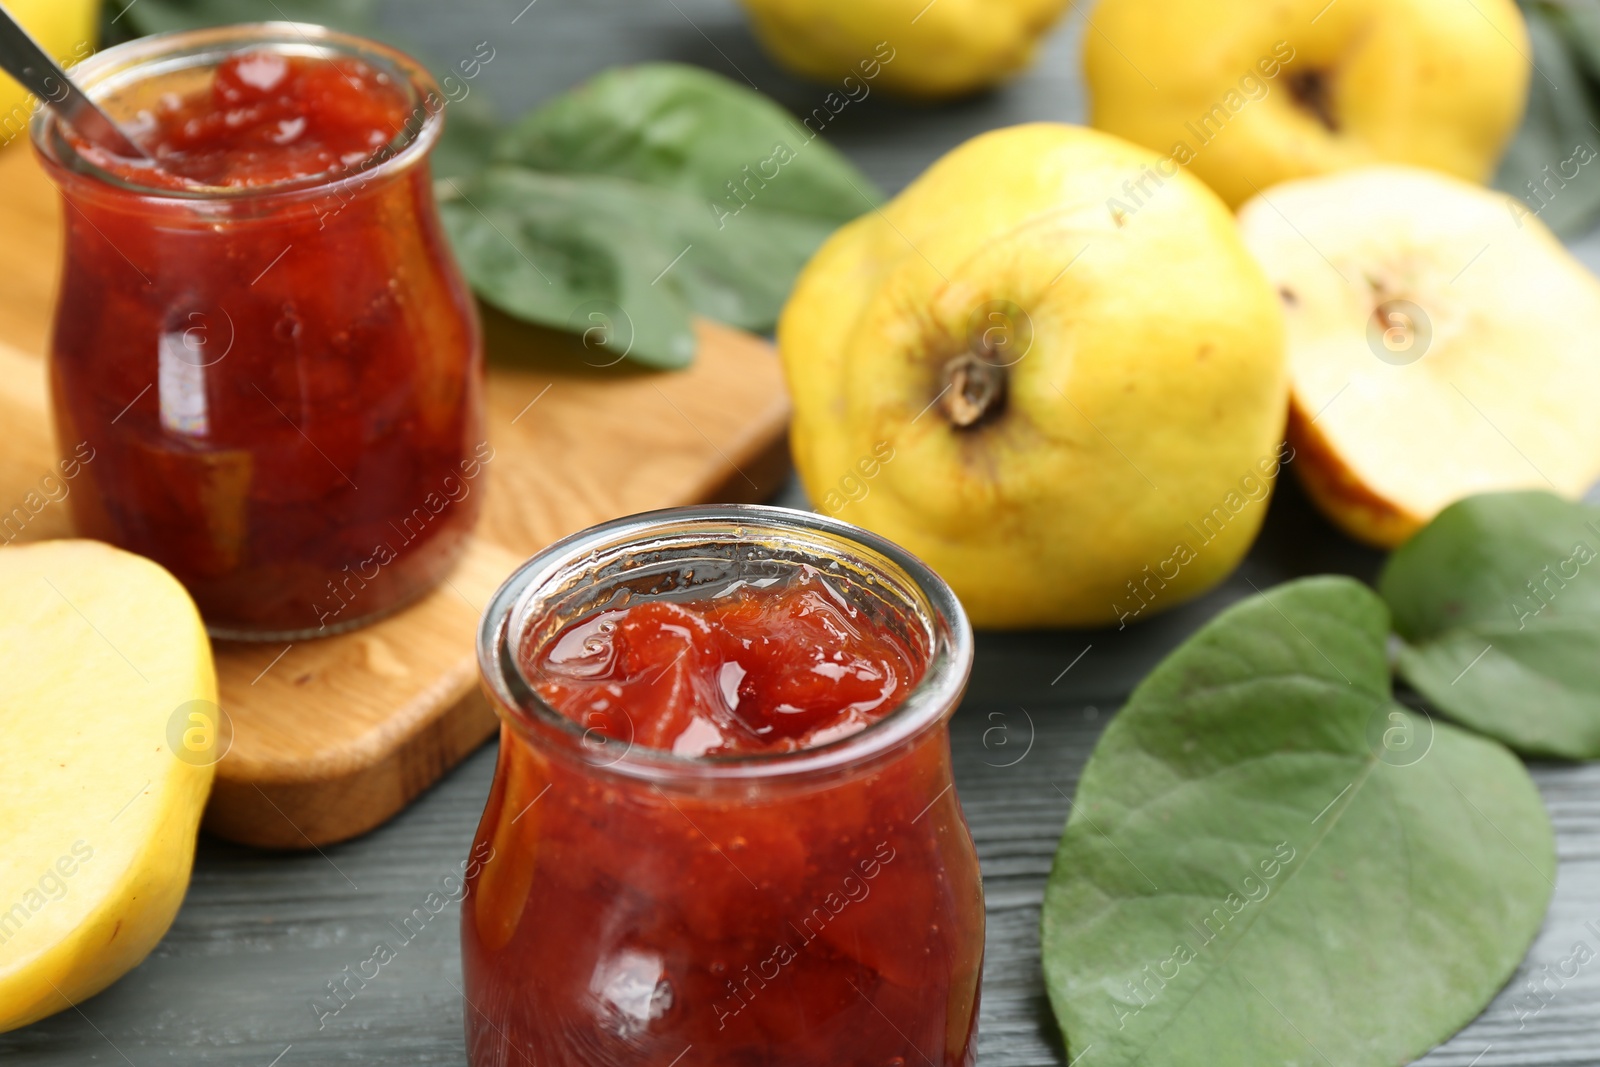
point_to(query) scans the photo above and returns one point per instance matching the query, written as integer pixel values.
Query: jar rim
(132, 61)
(930, 701)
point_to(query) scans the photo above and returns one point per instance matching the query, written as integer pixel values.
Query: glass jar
(279, 384)
(815, 906)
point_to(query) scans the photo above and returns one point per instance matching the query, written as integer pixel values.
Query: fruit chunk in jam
(758, 668)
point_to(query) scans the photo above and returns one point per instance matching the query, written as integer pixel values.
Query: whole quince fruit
(66, 29)
(908, 47)
(1072, 411)
(1249, 94)
(108, 709)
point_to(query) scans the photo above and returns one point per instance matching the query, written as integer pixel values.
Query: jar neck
(126, 78)
(316, 208)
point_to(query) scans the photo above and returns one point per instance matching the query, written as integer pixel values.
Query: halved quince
(1442, 343)
(108, 710)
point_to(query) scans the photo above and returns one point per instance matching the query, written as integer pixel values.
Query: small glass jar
(815, 906)
(279, 384)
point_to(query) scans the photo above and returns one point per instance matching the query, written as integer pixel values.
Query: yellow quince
(66, 29)
(1071, 408)
(910, 47)
(1249, 94)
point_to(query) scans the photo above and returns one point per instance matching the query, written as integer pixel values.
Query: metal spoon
(23, 59)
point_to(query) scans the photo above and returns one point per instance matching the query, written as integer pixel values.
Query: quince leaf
(676, 126)
(543, 247)
(573, 250)
(652, 193)
(1270, 861)
(1498, 603)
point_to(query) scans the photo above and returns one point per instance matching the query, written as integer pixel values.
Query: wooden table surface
(261, 933)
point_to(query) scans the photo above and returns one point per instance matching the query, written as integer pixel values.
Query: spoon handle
(23, 59)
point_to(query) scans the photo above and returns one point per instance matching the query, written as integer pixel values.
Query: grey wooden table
(260, 933)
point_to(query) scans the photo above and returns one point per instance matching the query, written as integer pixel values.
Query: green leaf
(1270, 861)
(542, 246)
(1498, 602)
(680, 127)
(652, 193)
(538, 246)
(1543, 167)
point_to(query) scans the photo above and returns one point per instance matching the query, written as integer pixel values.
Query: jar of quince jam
(723, 817)
(261, 336)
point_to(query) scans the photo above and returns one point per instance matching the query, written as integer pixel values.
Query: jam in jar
(723, 818)
(261, 332)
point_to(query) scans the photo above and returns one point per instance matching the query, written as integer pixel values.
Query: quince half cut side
(1442, 343)
(108, 709)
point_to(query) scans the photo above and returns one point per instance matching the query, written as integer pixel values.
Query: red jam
(833, 919)
(269, 118)
(281, 385)
(752, 670)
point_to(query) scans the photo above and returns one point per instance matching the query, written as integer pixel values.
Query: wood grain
(615, 440)
(331, 737)
(30, 252)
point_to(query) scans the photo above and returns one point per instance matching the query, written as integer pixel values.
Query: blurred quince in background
(1247, 94)
(66, 29)
(911, 48)
(1071, 409)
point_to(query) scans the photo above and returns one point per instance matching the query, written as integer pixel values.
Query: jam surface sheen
(267, 118)
(769, 667)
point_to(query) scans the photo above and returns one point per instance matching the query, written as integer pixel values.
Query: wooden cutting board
(330, 737)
